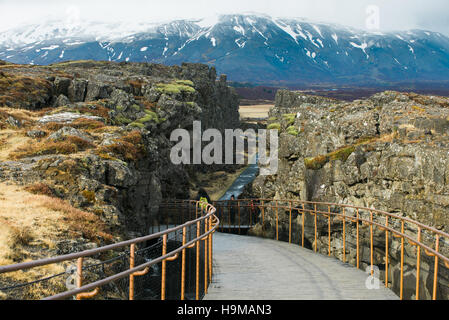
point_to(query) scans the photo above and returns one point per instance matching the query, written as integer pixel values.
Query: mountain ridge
(246, 47)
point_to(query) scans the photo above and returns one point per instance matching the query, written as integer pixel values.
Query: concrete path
(250, 268)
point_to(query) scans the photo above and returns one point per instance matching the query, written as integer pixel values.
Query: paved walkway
(247, 268)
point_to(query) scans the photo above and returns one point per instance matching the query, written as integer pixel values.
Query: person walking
(203, 198)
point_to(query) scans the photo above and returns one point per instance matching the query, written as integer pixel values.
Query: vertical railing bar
(303, 214)
(386, 252)
(371, 244)
(435, 272)
(131, 276)
(315, 214)
(418, 262)
(402, 263)
(197, 272)
(164, 266)
(358, 239)
(290, 225)
(205, 257)
(329, 230)
(277, 222)
(79, 275)
(344, 236)
(183, 264)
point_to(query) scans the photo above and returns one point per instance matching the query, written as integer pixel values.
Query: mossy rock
(290, 118)
(273, 126)
(318, 162)
(185, 82)
(174, 88)
(137, 125)
(136, 107)
(122, 120)
(292, 130)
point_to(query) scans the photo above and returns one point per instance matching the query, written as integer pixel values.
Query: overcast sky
(393, 14)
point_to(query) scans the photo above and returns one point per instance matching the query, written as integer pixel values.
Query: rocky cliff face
(389, 152)
(98, 133)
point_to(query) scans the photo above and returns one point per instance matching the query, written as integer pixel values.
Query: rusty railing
(204, 218)
(236, 215)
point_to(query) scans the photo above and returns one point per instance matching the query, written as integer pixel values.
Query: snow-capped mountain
(250, 47)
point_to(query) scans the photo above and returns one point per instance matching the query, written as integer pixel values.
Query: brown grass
(20, 236)
(39, 188)
(83, 223)
(18, 89)
(87, 124)
(10, 140)
(129, 147)
(71, 144)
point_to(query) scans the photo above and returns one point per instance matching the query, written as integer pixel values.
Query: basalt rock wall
(389, 152)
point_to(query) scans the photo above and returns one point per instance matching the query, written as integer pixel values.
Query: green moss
(120, 108)
(272, 119)
(137, 125)
(318, 162)
(276, 126)
(150, 116)
(185, 82)
(135, 107)
(342, 154)
(174, 88)
(290, 118)
(121, 120)
(190, 103)
(293, 131)
(315, 163)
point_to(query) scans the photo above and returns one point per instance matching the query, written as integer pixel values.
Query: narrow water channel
(239, 184)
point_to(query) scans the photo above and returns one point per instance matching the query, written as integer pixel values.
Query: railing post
(329, 229)
(357, 236)
(418, 262)
(210, 250)
(290, 225)
(277, 221)
(251, 214)
(197, 273)
(371, 243)
(238, 208)
(79, 275)
(205, 257)
(303, 214)
(435, 272)
(315, 213)
(344, 236)
(164, 266)
(229, 216)
(263, 213)
(131, 276)
(386, 252)
(402, 262)
(183, 263)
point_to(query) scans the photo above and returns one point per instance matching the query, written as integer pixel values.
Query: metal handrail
(438, 235)
(210, 222)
